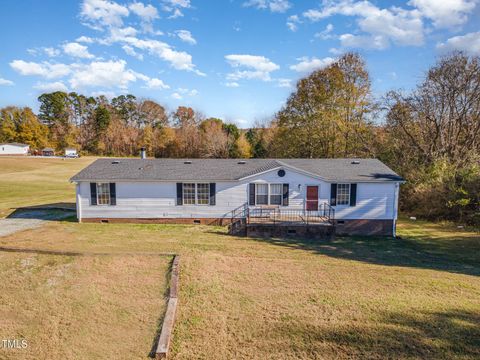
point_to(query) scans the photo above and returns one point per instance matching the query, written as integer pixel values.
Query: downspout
(79, 204)
(395, 210)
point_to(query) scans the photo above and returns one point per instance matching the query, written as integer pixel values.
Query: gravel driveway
(29, 219)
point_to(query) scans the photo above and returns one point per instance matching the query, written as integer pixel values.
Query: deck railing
(278, 215)
(283, 216)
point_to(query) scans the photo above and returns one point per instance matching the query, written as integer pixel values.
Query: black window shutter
(353, 194)
(251, 197)
(333, 195)
(113, 194)
(213, 189)
(179, 193)
(93, 194)
(285, 195)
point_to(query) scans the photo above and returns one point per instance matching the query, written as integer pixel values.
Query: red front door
(312, 198)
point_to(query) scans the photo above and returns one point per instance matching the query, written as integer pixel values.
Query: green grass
(30, 181)
(240, 298)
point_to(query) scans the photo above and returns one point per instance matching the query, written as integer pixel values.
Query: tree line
(430, 135)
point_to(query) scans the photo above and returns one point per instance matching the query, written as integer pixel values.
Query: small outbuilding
(71, 152)
(14, 149)
(48, 152)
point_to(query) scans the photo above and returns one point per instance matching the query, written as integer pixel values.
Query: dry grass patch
(298, 299)
(82, 307)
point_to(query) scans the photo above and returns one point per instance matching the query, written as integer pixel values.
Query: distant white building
(71, 152)
(14, 149)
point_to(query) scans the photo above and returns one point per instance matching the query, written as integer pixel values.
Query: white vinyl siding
(151, 199)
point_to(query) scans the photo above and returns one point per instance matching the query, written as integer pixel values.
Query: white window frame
(195, 191)
(268, 194)
(345, 195)
(208, 194)
(99, 185)
(272, 194)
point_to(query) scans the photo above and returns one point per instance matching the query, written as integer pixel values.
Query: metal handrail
(276, 215)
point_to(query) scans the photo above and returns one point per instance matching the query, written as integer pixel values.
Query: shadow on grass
(393, 252)
(420, 335)
(166, 294)
(52, 212)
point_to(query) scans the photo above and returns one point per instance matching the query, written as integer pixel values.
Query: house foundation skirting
(364, 227)
(198, 221)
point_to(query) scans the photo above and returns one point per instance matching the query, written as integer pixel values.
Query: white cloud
(101, 13)
(174, 6)
(107, 74)
(273, 5)
(445, 13)
(232, 84)
(469, 43)
(85, 39)
(186, 36)
(77, 50)
(307, 64)
(147, 13)
(292, 22)
(51, 87)
(176, 14)
(45, 69)
(177, 96)
(364, 41)
(6, 82)
(380, 26)
(188, 92)
(284, 83)
(131, 51)
(258, 67)
(51, 52)
(325, 34)
(156, 84)
(179, 60)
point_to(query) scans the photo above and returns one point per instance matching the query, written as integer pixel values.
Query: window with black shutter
(251, 194)
(179, 194)
(213, 190)
(113, 194)
(353, 194)
(285, 194)
(333, 194)
(93, 194)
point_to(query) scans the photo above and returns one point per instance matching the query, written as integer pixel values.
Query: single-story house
(71, 152)
(14, 149)
(363, 193)
(48, 152)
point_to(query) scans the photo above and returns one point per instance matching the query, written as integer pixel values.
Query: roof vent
(187, 162)
(242, 162)
(115, 162)
(355, 162)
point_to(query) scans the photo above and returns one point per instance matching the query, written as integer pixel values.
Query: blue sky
(237, 60)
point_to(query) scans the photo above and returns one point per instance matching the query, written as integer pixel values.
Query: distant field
(349, 298)
(26, 181)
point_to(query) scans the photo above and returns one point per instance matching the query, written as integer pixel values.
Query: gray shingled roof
(334, 170)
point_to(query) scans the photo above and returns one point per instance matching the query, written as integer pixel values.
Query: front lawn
(292, 299)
